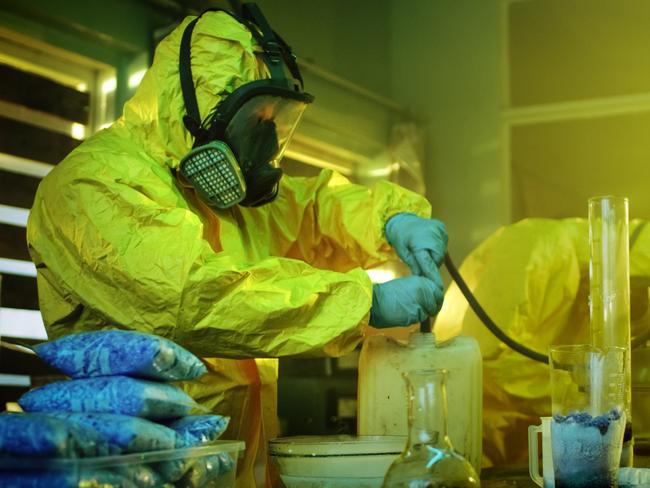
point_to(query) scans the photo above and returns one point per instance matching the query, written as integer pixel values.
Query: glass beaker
(588, 407)
(429, 459)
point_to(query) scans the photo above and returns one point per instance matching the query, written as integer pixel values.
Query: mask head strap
(277, 53)
(192, 119)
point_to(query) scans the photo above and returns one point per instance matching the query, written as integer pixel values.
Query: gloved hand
(404, 301)
(420, 243)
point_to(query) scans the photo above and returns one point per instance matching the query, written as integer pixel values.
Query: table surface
(517, 476)
(506, 477)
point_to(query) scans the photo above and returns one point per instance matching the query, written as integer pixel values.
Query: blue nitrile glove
(404, 301)
(420, 243)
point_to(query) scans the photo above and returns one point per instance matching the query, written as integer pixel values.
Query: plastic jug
(382, 399)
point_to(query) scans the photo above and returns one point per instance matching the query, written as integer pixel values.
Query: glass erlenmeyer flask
(429, 459)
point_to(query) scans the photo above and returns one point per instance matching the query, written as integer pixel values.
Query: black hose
(425, 326)
(492, 327)
(640, 341)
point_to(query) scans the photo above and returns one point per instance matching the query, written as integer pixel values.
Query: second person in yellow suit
(532, 278)
(121, 238)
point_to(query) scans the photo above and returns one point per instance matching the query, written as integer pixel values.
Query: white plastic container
(382, 398)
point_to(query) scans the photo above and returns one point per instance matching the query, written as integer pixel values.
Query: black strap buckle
(201, 135)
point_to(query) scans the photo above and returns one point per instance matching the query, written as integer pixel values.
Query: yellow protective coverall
(532, 278)
(117, 242)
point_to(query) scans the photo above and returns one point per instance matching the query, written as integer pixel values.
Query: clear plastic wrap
(120, 352)
(110, 394)
(194, 431)
(207, 469)
(33, 434)
(198, 430)
(128, 434)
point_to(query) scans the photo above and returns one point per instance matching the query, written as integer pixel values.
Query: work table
(506, 477)
(518, 477)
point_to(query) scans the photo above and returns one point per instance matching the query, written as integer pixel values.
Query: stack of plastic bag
(118, 401)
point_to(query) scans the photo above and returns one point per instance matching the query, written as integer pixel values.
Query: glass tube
(609, 286)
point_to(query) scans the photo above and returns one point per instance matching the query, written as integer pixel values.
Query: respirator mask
(238, 148)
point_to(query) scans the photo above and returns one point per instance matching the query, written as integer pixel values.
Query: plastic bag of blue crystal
(40, 435)
(110, 394)
(120, 352)
(207, 469)
(195, 471)
(128, 434)
(141, 476)
(194, 430)
(197, 430)
(48, 473)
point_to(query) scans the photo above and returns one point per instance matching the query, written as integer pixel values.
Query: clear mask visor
(259, 132)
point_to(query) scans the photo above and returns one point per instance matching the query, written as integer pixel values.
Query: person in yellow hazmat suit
(532, 279)
(178, 221)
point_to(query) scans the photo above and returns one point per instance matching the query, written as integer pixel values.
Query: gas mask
(238, 148)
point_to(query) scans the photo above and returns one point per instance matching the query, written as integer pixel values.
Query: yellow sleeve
(119, 243)
(341, 224)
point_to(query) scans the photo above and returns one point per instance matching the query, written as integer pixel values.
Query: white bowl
(335, 461)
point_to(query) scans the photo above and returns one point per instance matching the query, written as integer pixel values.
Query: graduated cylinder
(609, 287)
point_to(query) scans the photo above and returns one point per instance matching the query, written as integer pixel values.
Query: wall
(445, 58)
(350, 39)
(578, 105)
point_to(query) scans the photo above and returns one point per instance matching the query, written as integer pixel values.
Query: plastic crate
(214, 465)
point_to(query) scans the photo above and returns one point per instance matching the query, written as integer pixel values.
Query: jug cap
(422, 340)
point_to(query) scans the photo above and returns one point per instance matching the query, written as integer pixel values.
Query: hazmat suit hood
(223, 58)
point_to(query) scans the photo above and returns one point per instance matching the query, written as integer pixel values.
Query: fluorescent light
(13, 215)
(380, 275)
(15, 164)
(136, 78)
(380, 171)
(44, 120)
(78, 131)
(15, 380)
(314, 161)
(17, 267)
(109, 85)
(22, 324)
